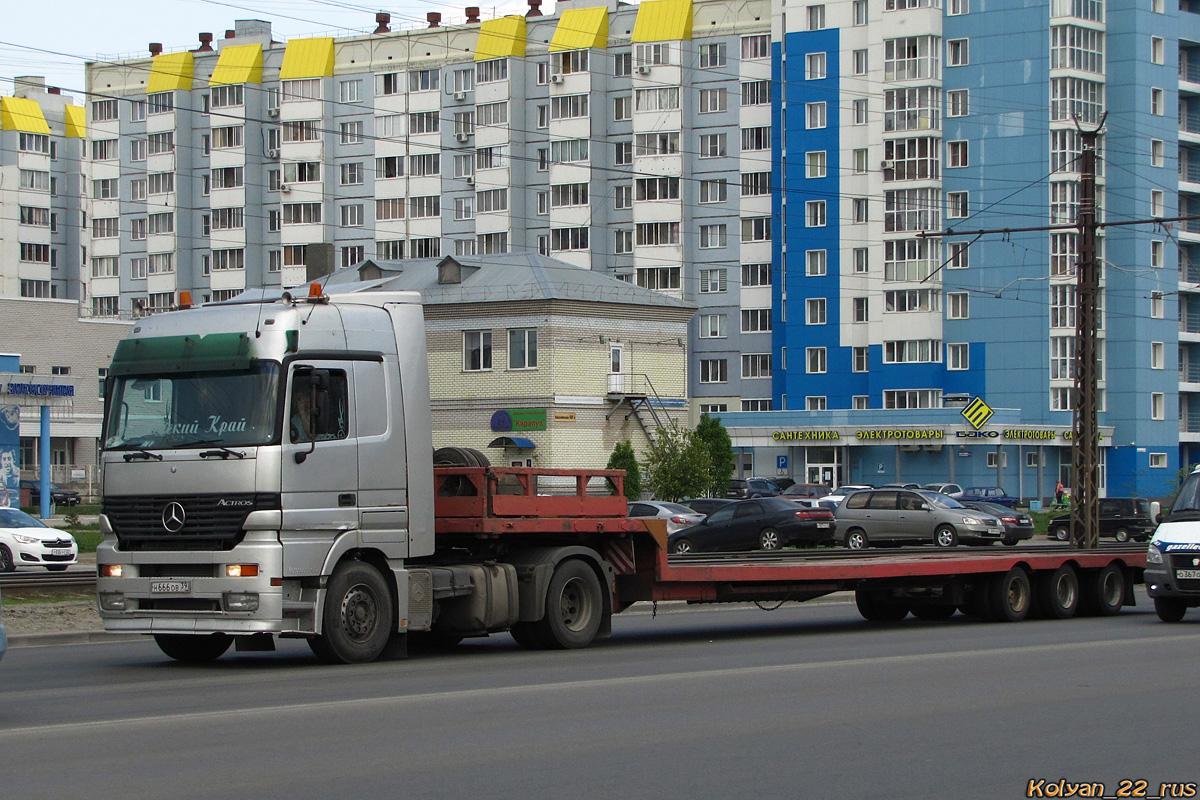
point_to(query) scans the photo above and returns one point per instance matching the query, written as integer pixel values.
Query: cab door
(319, 472)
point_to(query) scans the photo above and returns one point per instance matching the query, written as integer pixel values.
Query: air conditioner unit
(272, 153)
(462, 136)
(644, 69)
(460, 95)
(556, 78)
(887, 165)
(272, 112)
(283, 187)
(470, 180)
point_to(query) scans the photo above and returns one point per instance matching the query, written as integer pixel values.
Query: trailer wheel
(1011, 596)
(681, 547)
(1058, 593)
(768, 539)
(1062, 533)
(1104, 591)
(856, 539)
(1170, 609)
(193, 648)
(933, 612)
(573, 607)
(1121, 535)
(879, 606)
(357, 619)
(945, 536)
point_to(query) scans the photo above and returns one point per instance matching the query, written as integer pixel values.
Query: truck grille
(1185, 561)
(209, 522)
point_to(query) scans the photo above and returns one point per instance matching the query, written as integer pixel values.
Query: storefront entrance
(823, 465)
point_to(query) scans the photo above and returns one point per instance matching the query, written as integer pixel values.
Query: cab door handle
(347, 499)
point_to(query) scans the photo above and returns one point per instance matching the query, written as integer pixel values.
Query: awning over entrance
(513, 441)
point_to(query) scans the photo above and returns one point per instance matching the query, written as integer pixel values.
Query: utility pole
(1085, 429)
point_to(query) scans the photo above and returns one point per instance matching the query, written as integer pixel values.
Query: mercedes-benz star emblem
(173, 517)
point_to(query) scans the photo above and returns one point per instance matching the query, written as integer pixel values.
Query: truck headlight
(1154, 555)
(241, 601)
(112, 601)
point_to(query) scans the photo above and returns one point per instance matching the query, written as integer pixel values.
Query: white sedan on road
(26, 542)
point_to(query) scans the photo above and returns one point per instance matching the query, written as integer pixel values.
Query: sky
(54, 38)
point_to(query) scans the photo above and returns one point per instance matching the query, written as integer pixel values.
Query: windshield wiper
(224, 453)
(144, 455)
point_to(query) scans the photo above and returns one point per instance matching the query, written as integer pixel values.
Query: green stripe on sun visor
(159, 354)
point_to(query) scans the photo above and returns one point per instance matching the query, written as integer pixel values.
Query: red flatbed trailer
(508, 504)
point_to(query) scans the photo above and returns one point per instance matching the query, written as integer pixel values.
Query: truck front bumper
(193, 592)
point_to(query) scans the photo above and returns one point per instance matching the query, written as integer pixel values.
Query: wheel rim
(1061, 534)
(683, 546)
(1065, 592)
(575, 605)
(1122, 535)
(360, 613)
(855, 541)
(945, 537)
(1110, 589)
(1018, 595)
(769, 540)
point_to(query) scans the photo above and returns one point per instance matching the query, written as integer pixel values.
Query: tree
(720, 453)
(624, 458)
(677, 464)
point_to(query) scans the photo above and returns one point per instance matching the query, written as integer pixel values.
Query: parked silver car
(677, 516)
(902, 516)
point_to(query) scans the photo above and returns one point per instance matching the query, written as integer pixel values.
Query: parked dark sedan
(740, 489)
(766, 523)
(706, 505)
(987, 494)
(1122, 518)
(1017, 526)
(60, 496)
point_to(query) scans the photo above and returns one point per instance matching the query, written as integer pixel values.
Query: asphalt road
(803, 702)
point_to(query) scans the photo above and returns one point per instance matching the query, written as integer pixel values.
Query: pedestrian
(1058, 494)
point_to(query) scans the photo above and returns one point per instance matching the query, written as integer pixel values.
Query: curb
(73, 637)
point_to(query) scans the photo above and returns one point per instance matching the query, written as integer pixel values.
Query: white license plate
(170, 587)
(60, 551)
(824, 524)
(996, 531)
(1187, 574)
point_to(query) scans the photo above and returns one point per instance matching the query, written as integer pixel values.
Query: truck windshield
(193, 409)
(1188, 498)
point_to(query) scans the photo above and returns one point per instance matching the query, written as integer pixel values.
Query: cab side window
(319, 413)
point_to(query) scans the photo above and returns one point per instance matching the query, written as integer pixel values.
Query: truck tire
(1170, 609)
(945, 536)
(574, 607)
(459, 457)
(358, 615)
(1104, 591)
(526, 635)
(1058, 593)
(1062, 533)
(856, 539)
(879, 606)
(933, 612)
(193, 648)
(1010, 596)
(768, 539)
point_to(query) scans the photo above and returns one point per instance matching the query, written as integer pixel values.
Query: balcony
(1190, 373)
(1189, 323)
(1189, 122)
(1189, 72)
(1189, 172)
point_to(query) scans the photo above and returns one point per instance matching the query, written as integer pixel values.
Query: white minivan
(1173, 562)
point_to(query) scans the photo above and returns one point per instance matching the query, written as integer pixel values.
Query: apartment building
(632, 140)
(902, 118)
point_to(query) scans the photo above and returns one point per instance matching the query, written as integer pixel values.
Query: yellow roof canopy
(241, 63)
(22, 114)
(581, 29)
(171, 72)
(501, 38)
(76, 118)
(663, 21)
(307, 58)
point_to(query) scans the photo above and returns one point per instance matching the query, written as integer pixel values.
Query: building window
(522, 348)
(756, 320)
(1158, 355)
(1157, 253)
(861, 309)
(911, 57)
(814, 67)
(477, 351)
(756, 365)
(860, 12)
(756, 229)
(712, 55)
(623, 155)
(1157, 305)
(816, 18)
(1158, 405)
(814, 311)
(957, 103)
(755, 275)
(958, 305)
(714, 191)
(816, 263)
(815, 362)
(352, 132)
(712, 100)
(814, 162)
(659, 279)
(860, 402)
(912, 351)
(858, 210)
(859, 111)
(957, 54)
(1158, 460)
(1158, 153)
(859, 62)
(756, 93)
(712, 326)
(956, 205)
(712, 281)
(1157, 104)
(622, 108)
(1157, 202)
(712, 236)
(861, 258)
(1158, 50)
(860, 359)
(956, 154)
(814, 213)
(714, 370)
(957, 7)
(814, 115)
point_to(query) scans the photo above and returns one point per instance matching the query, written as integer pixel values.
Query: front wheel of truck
(357, 619)
(1169, 609)
(574, 607)
(193, 647)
